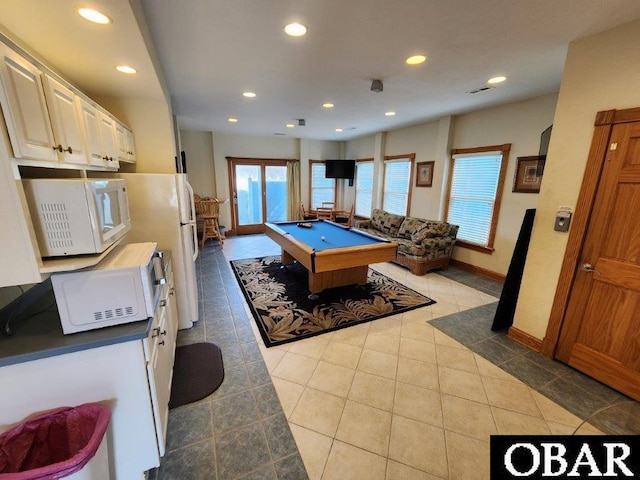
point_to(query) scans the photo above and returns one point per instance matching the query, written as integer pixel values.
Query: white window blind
(322, 189)
(397, 174)
(473, 193)
(364, 188)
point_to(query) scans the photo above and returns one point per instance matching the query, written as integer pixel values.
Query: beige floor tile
(468, 418)
(418, 331)
(271, 357)
(443, 308)
(398, 471)
(289, 393)
(355, 335)
(373, 390)
(314, 449)
(347, 462)
(418, 350)
(331, 378)
(510, 396)
(461, 384)
(552, 412)
(560, 429)
(456, 358)
(419, 315)
(513, 423)
(318, 411)
(295, 368)
(365, 427)
(311, 347)
(418, 445)
(588, 429)
(444, 339)
(391, 325)
(342, 354)
(468, 457)
(488, 369)
(418, 404)
(421, 374)
(378, 363)
(383, 342)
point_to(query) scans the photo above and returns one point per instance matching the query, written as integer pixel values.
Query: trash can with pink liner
(67, 442)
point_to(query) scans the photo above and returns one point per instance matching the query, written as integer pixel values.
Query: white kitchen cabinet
(22, 97)
(67, 132)
(109, 140)
(126, 152)
(90, 120)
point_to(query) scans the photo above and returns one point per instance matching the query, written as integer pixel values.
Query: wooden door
(601, 331)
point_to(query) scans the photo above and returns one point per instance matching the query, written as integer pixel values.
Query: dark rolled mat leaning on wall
(198, 371)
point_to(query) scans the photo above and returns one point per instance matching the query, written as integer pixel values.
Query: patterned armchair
(423, 245)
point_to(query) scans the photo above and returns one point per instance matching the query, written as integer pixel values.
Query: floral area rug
(279, 301)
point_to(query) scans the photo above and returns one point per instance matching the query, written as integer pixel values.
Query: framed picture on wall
(424, 177)
(528, 176)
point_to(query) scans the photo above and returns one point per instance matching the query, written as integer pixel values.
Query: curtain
(293, 190)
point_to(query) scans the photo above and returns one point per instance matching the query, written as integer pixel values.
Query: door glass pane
(276, 193)
(249, 185)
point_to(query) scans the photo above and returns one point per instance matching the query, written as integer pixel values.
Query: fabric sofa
(423, 245)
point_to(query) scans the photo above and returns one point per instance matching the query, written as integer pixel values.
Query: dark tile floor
(583, 396)
(240, 431)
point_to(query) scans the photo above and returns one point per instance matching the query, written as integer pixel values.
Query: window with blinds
(473, 198)
(364, 188)
(397, 185)
(322, 189)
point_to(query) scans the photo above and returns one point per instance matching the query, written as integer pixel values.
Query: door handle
(587, 267)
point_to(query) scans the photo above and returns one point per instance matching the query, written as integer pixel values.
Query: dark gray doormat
(198, 371)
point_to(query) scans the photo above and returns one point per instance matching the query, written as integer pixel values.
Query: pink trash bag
(53, 445)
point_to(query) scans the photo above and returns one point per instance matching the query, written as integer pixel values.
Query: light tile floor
(391, 399)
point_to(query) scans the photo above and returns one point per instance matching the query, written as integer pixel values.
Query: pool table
(342, 258)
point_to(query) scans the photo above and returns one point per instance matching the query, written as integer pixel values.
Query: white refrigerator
(162, 211)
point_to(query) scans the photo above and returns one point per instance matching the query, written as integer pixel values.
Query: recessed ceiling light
(126, 69)
(295, 29)
(93, 15)
(328, 105)
(232, 120)
(290, 125)
(390, 114)
(416, 59)
(496, 80)
(249, 94)
(339, 130)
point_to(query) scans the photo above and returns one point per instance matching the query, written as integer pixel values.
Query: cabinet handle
(69, 149)
(58, 148)
(161, 343)
(172, 291)
(163, 333)
(163, 303)
(156, 332)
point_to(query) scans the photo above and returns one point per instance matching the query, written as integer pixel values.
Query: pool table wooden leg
(337, 278)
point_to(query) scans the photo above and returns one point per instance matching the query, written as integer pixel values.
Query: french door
(259, 193)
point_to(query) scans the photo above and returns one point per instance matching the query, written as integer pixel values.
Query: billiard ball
(322, 238)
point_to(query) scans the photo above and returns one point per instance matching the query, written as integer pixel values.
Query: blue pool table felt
(335, 236)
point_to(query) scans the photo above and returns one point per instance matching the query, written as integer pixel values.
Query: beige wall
(519, 124)
(152, 126)
(601, 72)
(198, 148)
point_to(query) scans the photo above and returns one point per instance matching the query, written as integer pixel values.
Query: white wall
(602, 72)
(519, 124)
(152, 126)
(198, 148)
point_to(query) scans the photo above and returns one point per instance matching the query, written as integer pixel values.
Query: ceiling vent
(481, 89)
(376, 86)
(301, 122)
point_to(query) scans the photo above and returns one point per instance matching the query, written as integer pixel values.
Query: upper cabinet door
(25, 108)
(108, 137)
(121, 135)
(131, 150)
(90, 118)
(65, 121)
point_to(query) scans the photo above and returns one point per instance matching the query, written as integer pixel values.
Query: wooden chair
(209, 210)
(306, 214)
(324, 213)
(345, 218)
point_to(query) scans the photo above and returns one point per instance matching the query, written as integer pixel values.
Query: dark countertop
(39, 335)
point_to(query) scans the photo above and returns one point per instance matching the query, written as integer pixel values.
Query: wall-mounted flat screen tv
(340, 169)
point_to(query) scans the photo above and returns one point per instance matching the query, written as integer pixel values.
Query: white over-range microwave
(73, 216)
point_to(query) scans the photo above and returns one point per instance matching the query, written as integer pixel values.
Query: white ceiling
(212, 50)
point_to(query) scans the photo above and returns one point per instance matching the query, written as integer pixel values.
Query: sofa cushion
(409, 226)
(408, 247)
(430, 230)
(388, 223)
